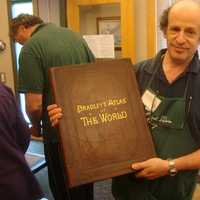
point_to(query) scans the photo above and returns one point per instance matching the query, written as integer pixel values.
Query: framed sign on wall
(110, 25)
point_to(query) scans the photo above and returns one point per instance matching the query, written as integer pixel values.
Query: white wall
(6, 65)
(48, 10)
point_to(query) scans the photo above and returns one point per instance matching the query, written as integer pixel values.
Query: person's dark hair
(164, 19)
(23, 19)
(165, 15)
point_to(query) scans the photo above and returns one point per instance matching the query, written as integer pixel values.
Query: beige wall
(5, 56)
(141, 29)
(88, 15)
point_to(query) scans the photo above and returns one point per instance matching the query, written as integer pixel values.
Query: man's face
(183, 34)
(21, 35)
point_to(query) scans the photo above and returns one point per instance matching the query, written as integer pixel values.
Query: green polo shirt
(49, 46)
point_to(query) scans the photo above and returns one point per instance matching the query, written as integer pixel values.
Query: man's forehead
(189, 16)
(186, 7)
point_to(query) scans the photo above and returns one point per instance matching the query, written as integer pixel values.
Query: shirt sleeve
(31, 74)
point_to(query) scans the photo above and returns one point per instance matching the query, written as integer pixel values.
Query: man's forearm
(34, 109)
(35, 118)
(188, 162)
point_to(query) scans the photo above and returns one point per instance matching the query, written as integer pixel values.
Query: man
(45, 46)
(16, 178)
(173, 79)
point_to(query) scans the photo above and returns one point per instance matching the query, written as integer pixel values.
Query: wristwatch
(172, 168)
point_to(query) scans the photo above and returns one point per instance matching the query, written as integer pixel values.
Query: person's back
(49, 46)
(16, 179)
(56, 46)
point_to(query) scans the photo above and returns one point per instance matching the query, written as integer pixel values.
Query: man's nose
(181, 37)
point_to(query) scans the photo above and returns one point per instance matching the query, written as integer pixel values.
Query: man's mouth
(180, 49)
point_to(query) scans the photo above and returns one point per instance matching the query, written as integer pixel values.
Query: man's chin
(179, 50)
(180, 59)
(179, 54)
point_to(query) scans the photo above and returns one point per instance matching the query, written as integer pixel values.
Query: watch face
(172, 168)
(173, 172)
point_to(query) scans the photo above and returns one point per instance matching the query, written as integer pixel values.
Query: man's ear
(21, 28)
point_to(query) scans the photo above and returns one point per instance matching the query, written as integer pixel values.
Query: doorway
(18, 7)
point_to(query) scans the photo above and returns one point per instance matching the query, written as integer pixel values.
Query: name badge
(150, 101)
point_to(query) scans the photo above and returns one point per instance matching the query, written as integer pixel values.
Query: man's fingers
(55, 112)
(138, 166)
(143, 173)
(55, 118)
(50, 107)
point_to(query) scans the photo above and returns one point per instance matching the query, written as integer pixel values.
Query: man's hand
(151, 169)
(55, 114)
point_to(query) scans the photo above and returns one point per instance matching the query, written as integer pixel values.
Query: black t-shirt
(190, 79)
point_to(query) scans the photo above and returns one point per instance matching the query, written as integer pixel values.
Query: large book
(103, 129)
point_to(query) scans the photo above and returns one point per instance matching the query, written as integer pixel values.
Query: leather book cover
(103, 129)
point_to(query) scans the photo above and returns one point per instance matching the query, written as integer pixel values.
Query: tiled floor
(102, 190)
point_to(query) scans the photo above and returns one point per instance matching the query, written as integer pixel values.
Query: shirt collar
(38, 28)
(194, 66)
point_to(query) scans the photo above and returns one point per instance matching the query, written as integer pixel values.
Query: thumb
(137, 166)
